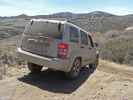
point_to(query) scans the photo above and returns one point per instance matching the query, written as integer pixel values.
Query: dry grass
(114, 68)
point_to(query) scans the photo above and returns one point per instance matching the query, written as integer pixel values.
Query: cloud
(30, 7)
(4, 3)
(118, 10)
(25, 4)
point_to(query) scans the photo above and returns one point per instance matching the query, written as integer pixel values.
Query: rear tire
(34, 68)
(94, 65)
(75, 70)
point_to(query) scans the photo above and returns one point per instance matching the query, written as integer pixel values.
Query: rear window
(46, 29)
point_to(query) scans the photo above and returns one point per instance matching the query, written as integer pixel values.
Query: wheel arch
(72, 60)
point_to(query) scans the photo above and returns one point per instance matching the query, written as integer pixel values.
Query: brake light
(62, 50)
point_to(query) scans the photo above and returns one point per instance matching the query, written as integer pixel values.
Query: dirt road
(109, 82)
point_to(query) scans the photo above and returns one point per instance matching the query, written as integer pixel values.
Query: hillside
(94, 22)
(112, 32)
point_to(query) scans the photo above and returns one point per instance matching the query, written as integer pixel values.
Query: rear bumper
(53, 63)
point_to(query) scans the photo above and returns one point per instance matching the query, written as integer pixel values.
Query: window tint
(74, 35)
(84, 38)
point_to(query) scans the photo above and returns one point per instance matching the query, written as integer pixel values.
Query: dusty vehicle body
(58, 45)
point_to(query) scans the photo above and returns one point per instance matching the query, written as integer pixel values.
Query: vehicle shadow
(55, 81)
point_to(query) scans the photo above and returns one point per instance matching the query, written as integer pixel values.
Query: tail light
(62, 50)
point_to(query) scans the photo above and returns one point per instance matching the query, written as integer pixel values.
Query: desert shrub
(118, 50)
(129, 56)
(113, 34)
(8, 59)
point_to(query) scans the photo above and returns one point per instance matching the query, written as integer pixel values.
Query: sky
(44, 7)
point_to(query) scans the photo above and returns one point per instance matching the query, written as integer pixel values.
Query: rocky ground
(109, 82)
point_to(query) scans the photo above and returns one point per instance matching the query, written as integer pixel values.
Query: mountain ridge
(68, 14)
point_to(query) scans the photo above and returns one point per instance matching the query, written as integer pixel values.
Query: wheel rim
(76, 67)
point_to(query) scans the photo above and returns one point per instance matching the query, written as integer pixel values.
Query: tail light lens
(62, 50)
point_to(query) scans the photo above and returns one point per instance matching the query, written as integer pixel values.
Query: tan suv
(58, 45)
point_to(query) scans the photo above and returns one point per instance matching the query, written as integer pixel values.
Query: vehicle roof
(49, 20)
(62, 22)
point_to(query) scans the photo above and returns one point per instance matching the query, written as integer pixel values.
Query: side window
(84, 38)
(91, 41)
(74, 34)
